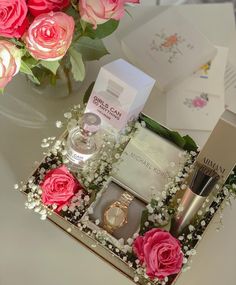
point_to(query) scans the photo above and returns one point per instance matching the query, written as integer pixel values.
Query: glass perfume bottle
(81, 143)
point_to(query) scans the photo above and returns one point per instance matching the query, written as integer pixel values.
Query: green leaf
(1, 91)
(50, 65)
(78, 69)
(88, 92)
(17, 42)
(102, 30)
(91, 49)
(190, 144)
(24, 68)
(185, 142)
(30, 61)
(177, 139)
(83, 24)
(144, 218)
(154, 126)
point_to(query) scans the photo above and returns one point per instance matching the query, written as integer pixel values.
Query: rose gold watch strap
(126, 199)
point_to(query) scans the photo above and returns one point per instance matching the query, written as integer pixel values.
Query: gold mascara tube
(215, 162)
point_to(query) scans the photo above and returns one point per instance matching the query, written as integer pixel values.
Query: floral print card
(168, 47)
(210, 77)
(191, 110)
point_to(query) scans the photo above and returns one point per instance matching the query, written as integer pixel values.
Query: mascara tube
(200, 186)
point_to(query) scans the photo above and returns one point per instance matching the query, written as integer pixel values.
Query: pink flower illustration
(199, 102)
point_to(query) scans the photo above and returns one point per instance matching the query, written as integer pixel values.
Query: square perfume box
(162, 156)
(119, 94)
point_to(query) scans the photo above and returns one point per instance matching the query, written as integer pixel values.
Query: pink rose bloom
(13, 21)
(100, 11)
(10, 60)
(199, 102)
(49, 36)
(160, 252)
(37, 7)
(59, 186)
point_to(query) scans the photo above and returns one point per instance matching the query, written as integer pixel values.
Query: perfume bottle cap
(90, 122)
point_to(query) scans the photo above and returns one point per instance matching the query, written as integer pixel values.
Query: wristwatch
(116, 215)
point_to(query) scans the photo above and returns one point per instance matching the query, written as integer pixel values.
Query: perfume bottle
(81, 143)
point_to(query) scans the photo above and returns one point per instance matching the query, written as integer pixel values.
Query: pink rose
(10, 60)
(37, 7)
(59, 186)
(13, 21)
(160, 252)
(100, 11)
(50, 35)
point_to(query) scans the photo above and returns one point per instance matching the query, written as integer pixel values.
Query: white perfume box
(119, 94)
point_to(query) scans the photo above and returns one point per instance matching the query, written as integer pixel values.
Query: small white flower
(43, 217)
(193, 251)
(150, 209)
(203, 223)
(189, 236)
(136, 279)
(68, 115)
(143, 124)
(16, 186)
(86, 198)
(117, 156)
(69, 230)
(212, 210)
(180, 208)
(54, 206)
(124, 258)
(199, 213)
(59, 124)
(191, 228)
(37, 209)
(130, 241)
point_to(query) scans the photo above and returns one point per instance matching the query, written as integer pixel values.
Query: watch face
(115, 217)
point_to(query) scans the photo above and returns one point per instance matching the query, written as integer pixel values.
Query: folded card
(168, 47)
(152, 161)
(193, 110)
(210, 77)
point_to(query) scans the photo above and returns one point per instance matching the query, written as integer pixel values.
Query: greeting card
(168, 47)
(210, 77)
(193, 110)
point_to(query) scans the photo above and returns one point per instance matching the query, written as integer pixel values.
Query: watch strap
(126, 199)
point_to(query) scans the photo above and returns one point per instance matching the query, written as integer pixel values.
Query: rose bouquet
(37, 37)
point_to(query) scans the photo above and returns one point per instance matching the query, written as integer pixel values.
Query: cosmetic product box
(119, 94)
(92, 244)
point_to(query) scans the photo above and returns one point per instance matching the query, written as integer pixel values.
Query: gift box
(86, 211)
